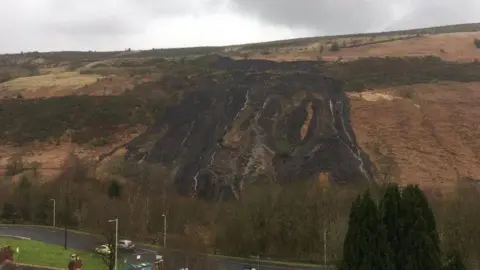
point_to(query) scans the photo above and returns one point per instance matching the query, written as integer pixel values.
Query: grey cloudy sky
(47, 25)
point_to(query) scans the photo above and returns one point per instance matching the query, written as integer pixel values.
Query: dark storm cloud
(349, 16)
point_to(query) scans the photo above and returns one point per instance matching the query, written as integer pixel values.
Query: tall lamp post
(67, 215)
(54, 212)
(116, 240)
(164, 215)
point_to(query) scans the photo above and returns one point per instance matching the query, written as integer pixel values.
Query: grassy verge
(42, 254)
(56, 228)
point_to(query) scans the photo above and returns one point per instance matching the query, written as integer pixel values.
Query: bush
(477, 43)
(15, 166)
(9, 214)
(97, 142)
(335, 47)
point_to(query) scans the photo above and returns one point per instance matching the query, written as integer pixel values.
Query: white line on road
(147, 250)
(14, 236)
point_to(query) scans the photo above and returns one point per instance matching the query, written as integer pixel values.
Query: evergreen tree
(392, 220)
(352, 252)
(419, 238)
(114, 190)
(427, 214)
(380, 255)
(366, 245)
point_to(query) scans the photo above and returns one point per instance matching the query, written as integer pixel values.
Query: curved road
(86, 242)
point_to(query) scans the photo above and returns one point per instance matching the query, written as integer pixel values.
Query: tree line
(303, 221)
(398, 233)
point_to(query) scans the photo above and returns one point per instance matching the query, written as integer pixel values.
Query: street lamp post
(325, 243)
(164, 215)
(116, 240)
(67, 216)
(54, 212)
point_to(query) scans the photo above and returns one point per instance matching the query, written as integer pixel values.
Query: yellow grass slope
(450, 47)
(427, 134)
(52, 84)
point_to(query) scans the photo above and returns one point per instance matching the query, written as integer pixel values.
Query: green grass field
(42, 254)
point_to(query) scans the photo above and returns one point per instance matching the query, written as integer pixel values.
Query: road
(86, 242)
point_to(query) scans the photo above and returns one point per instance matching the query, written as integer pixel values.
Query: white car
(103, 249)
(126, 245)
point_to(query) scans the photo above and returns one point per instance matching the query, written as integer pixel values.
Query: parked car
(103, 249)
(126, 245)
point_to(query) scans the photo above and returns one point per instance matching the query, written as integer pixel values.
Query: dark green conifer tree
(419, 237)
(366, 245)
(352, 252)
(427, 214)
(391, 216)
(114, 190)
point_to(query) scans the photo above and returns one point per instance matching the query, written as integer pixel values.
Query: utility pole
(258, 261)
(116, 240)
(54, 212)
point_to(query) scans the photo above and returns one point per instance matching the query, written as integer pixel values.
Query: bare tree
(15, 164)
(109, 257)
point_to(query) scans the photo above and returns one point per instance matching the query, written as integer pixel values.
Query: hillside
(425, 133)
(219, 124)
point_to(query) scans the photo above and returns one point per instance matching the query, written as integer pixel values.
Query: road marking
(14, 236)
(140, 253)
(147, 250)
